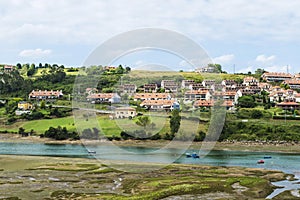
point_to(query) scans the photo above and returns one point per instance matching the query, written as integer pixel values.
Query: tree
(43, 104)
(19, 66)
(175, 121)
(119, 70)
(259, 71)
(31, 70)
(143, 121)
(128, 69)
(22, 131)
(246, 102)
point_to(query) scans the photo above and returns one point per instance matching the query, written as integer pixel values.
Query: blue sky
(260, 33)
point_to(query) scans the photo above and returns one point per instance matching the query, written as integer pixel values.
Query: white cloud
(70, 26)
(68, 21)
(245, 70)
(277, 68)
(224, 59)
(35, 53)
(265, 59)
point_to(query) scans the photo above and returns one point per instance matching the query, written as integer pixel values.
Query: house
(276, 76)
(108, 68)
(265, 86)
(193, 95)
(283, 95)
(292, 83)
(217, 87)
(255, 89)
(91, 90)
(203, 104)
(228, 104)
(45, 95)
(152, 96)
(208, 83)
(277, 96)
(23, 105)
(104, 98)
(233, 87)
(186, 83)
(207, 69)
(128, 89)
(159, 104)
(8, 68)
(196, 86)
(169, 85)
(24, 108)
(250, 81)
(124, 112)
(229, 95)
(210, 103)
(288, 105)
(227, 83)
(150, 87)
(297, 76)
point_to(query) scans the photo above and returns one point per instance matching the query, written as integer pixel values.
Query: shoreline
(280, 147)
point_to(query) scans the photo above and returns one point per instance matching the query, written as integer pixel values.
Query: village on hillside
(277, 89)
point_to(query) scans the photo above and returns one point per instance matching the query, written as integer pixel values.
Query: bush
(60, 133)
(200, 137)
(89, 134)
(256, 114)
(286, 117)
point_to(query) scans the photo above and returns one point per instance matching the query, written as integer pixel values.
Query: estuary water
(286, 162)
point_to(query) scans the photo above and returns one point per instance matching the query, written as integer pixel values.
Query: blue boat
(194, 155)
(267, 157)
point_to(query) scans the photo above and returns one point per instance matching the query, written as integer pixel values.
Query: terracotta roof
(288, 104)
(229, 93)
(151, 95)
(228, 103)
(45, 93)
(157, 102)
(204, 103)
(277, 74)
(210, 103)
(101, 95)
(196, 92)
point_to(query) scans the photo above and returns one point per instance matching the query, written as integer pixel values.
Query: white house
(125, 112)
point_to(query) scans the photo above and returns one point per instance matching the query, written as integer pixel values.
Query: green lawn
(40, 126)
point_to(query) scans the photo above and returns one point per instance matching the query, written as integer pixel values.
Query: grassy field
(40, 126)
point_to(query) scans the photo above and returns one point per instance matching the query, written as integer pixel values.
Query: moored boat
(260, 162)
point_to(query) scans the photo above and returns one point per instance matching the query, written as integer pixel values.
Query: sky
(240, 35)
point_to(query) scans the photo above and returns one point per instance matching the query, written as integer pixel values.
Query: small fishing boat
(267, 157)
(188, 155)
(91, 151)
(260, 162)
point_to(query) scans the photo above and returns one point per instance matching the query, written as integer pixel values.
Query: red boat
(260, 162)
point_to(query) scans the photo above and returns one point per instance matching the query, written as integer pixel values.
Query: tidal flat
(36, 177)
